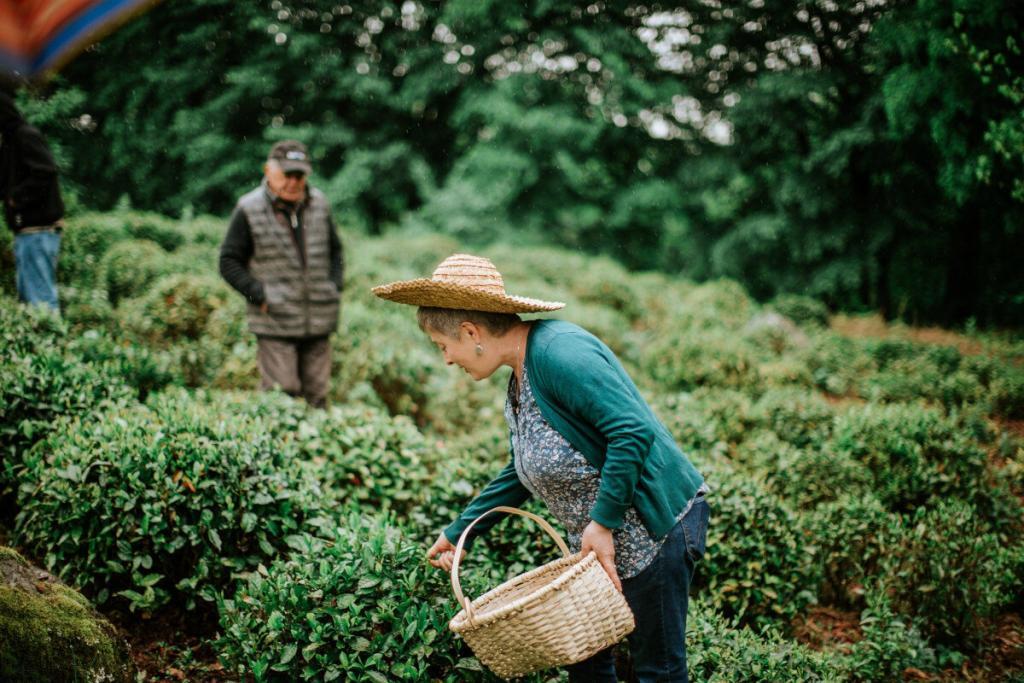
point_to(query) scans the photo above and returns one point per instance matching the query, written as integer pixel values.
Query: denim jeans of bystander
(35, 259)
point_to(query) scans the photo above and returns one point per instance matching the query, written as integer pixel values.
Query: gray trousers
(299, 367)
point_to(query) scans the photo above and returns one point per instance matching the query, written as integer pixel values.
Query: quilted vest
(301, 302)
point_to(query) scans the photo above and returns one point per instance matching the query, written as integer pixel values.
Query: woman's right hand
(442, 553)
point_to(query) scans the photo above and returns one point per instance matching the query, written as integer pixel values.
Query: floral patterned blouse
(558, 474)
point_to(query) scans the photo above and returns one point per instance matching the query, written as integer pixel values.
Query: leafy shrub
(1008, 393)
(366, 607)
(849, 537)
(773, 334)
(129, 267)
(86, 309)
(383, 350)
(83, 244)
(176, 307)
(685, 359)
(797, 416)
(40, 381)
(944, 567)
(836, 363)
(891, 644)
(817, 475)
(720, 651)
(463, 469)
(700, 419)
(139, 367)
(151, 505)
(757, 567)
(804, 477)
(153, 227)
(803, 310)
(915, 454)
(721, 303)
(368, 456)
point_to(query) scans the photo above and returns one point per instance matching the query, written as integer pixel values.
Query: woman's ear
(472, 330)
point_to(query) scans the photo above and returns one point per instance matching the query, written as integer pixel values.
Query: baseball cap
(292, 155)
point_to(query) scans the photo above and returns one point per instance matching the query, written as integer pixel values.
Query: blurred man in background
(32, 204)
(282, 253)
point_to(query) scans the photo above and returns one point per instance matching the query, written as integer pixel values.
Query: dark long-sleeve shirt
(237, 250)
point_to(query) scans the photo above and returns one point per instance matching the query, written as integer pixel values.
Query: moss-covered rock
(49, 633)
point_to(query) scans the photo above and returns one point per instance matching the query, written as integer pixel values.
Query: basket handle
(457, 588)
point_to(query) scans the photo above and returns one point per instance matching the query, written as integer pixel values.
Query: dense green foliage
(872, 476)
(866, 154)
(363, 608)
(162, 503)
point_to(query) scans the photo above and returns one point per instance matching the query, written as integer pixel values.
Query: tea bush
(797, 416)
(154, 227)
(803, 310)
(153, 505)
(128, 268)
(176, 307)
(365, 455)
(703, 418)
(758, 567)
(811, 476)
(383, 355)
(83, 244)
(141, 368)
(40, 381)
(849, 536)
(717, 303)
(688, 358)
(718, 650)
(915, 454)
(1008, 393)
(891, 644)
(86, 309)
(837, 364)
(945, 568)
(365, 607)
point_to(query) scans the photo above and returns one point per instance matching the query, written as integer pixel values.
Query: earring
(479, 350)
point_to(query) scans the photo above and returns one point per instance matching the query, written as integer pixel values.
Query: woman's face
(461, 351)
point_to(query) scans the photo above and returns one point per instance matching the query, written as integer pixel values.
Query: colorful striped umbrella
(39, 36)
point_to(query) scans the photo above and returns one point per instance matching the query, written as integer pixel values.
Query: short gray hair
(447, 320)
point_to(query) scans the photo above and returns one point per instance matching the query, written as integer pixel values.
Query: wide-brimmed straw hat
(467, 282)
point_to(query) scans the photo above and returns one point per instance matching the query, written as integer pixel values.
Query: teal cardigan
(584, 393)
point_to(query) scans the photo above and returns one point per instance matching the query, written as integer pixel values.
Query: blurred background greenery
(869, 153)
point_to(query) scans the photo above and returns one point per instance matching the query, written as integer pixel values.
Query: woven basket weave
(558, 614)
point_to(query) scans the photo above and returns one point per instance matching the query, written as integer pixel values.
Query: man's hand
(442, 553)
(598, 538)
(264, 308)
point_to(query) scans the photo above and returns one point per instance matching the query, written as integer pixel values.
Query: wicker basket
(558, 614)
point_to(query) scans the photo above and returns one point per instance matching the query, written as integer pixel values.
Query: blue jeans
(659, 597)
(35, 259)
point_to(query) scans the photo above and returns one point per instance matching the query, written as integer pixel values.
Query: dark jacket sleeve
(40, 169)
(235, 253)
(337, 255)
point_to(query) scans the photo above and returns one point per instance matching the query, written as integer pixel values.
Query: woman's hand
(442, 553)
(598, 538)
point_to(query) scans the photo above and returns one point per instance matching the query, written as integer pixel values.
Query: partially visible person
(32, 204)
(283, 254)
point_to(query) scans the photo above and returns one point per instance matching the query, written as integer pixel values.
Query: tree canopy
(870, 152)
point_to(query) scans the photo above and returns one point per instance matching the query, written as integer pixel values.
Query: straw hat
(462, 281)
